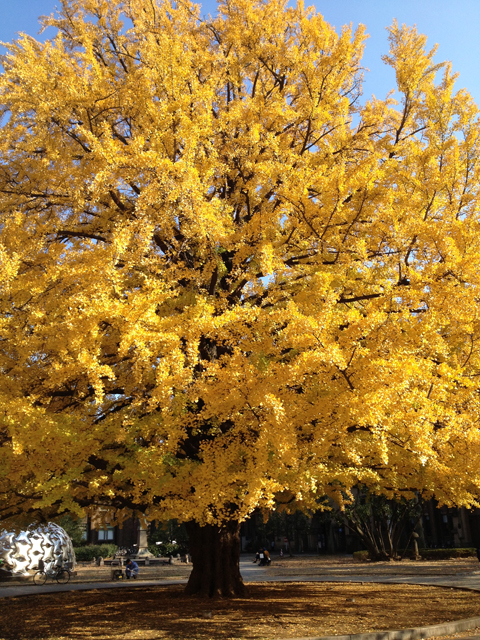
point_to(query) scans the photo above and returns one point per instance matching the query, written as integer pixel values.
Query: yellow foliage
(224, 278)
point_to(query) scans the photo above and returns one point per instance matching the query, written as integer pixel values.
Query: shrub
(87, 553)
(360, 556)
(166, 549)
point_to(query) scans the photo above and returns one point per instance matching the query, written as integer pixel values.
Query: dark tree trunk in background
(215, 555)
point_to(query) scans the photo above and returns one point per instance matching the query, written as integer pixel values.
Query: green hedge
(166, 549)
(427, 554)
(85, 554)
(445, 554)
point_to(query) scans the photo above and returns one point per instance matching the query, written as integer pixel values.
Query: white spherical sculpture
(22, 552)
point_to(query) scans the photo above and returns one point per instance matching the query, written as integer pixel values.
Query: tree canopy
(229, 281)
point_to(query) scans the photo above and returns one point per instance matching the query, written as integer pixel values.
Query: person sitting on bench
(131, 569)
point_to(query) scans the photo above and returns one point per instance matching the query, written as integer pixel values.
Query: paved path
(467, 580)
(254, 573)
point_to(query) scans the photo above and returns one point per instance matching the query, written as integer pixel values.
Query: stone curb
(416, 633)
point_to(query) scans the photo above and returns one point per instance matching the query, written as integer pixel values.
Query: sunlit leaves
(224, 278)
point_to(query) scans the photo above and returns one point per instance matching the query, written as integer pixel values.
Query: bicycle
(60, 574)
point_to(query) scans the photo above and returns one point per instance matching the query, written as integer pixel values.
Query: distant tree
(227, 282)
(272, 524)
(380, 523)
(74, 529)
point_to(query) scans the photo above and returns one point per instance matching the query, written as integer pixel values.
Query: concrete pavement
(253, 573)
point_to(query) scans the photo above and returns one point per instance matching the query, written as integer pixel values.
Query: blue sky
(453, 24)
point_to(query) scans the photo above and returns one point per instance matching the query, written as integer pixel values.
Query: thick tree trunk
(215, 555)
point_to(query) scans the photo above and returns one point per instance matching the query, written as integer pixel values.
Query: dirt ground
(271, 611)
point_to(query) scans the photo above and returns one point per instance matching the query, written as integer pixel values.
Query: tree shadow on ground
(270, 610)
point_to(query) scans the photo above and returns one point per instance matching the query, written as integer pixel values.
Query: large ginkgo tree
(228, 281)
